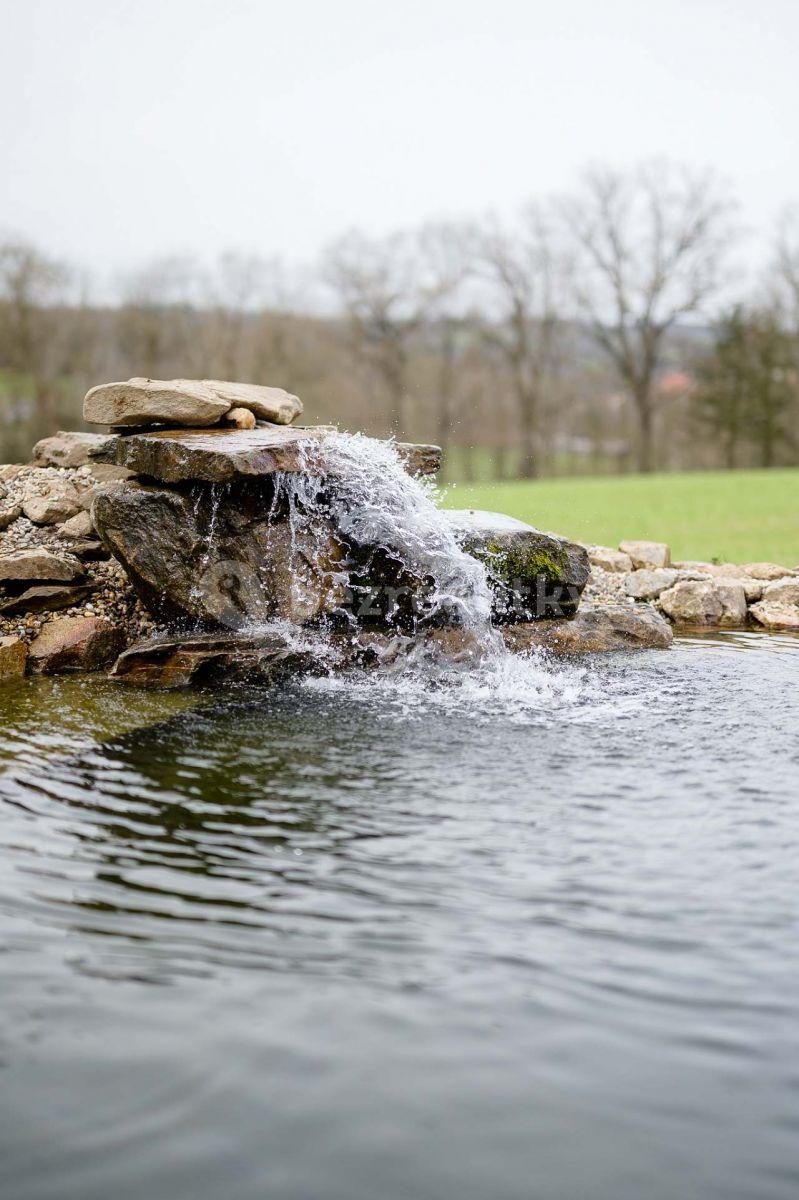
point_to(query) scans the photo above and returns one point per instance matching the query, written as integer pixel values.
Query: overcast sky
(134, 128)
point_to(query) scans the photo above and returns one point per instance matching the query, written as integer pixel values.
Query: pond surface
(529, 934)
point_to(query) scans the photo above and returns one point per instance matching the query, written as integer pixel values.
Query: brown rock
(178, 662)
(692, 603)
(252, 567)
(647, 554)
(242, 418)
(13, 656)
(52, 504)
(215, 455)
(9, 515)
(419, 459)
(643, 584)
(782, 591)
(48, 598)
(732, 595)
(71, 449)
(38, 564)
(766, 571)
(775, 616)
(593, 630)
(609, 560)
(79, 526)
(138, 401)
(75, 644)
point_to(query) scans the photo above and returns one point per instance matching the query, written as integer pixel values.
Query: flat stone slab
(223, 455)
(205, 658)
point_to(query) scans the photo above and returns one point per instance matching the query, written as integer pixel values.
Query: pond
(475, 937)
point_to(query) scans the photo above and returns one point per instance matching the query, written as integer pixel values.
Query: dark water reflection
(538, 939)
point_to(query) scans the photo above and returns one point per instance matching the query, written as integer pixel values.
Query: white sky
(135, 128)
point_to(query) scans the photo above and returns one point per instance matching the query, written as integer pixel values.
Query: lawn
(734, 516)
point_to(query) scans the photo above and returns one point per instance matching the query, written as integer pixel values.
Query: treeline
(605, 331)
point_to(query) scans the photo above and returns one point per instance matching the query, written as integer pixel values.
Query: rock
(9, 471)
(177, 662)
(79, 526)
(533, 574)
(647, 554)
(609, 560)
(215, 455)
(89, 550)
(72, 449)
(419, 459)
(138, 401)
(255, 567)
(753, 588)
(692, 603)
(782, 591)
(766, 571)
(242, 418)
(38, 564)
(647, 585)
(732, 595)
(9, 514)
(775, 616)
(266, 403)
(106, 472)
(593, 630)
(52, 503)
(75, 644)
(48, 598)
(13, 656)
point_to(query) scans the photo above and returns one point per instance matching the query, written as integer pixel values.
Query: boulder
(9, 514)
(608, 559)
(218, 555)
(266, 403)
(48, 598)
(732, 595)
(593, 630)
(775, 616)
(9, 471)
(766, 571)
(138, 401)
(532, 574)
(647, 554)
(782, 591)
(66, 449)
(692, 603)
(75, 644)
(39, 564)
(79, 526)
(52, 502)
(13, 657)
(178, 662)
(644, 584)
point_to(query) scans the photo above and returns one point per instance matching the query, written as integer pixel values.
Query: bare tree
(388, 292)
(786, 265)
(651, 250)
(33, 289)
(524, 269)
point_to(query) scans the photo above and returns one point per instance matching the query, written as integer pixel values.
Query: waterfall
(361, 487)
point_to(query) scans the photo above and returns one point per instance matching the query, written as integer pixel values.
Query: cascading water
(361, 486)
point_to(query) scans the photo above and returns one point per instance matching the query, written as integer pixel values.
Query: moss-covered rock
(533, 574)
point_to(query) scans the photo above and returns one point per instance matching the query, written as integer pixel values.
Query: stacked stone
(694, 593)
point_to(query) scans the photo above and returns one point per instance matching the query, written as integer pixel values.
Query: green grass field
(732, 516)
